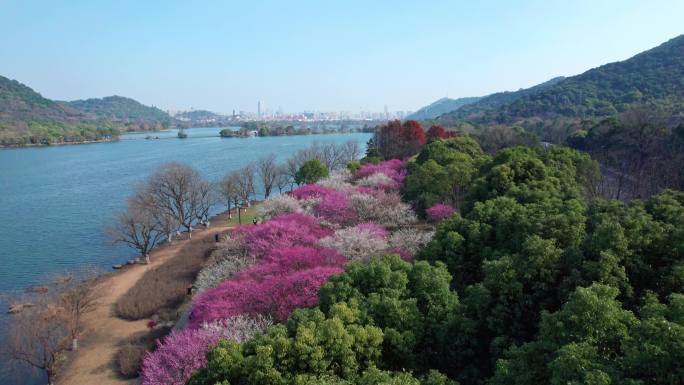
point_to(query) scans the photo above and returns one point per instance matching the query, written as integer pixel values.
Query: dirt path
(93, 364)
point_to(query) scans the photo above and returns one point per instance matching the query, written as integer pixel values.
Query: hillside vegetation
(131, 114)
(654, 76)
(440, 107)
(27, 118)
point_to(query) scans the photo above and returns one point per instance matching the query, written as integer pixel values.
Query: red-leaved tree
(398, 141)
(438, 132)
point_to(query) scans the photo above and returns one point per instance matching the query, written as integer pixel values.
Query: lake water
(56, 201)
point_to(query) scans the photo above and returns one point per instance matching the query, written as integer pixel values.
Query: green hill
(440, 107)
(131, 114)
(655, 76)
(27, 118)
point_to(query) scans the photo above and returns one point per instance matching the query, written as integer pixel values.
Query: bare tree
(283, 178)
(138, 226)
(245, 184)
(38, 337)
(176, 191)
(267, 169)
(204, 195)
(77, 298)
(351, 151)
(228, 189)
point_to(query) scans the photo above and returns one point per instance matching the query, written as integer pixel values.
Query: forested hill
(132, 114)
(28, 118)
(654, 76)
(440, 107)
(19, 102)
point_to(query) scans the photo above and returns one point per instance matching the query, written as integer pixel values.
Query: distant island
(253, 129)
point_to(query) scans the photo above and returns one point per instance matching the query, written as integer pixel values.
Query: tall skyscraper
(259, 109)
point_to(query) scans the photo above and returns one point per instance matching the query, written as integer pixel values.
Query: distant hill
(131, 114)
(20, 103)
(198, 115)
(655, 76)
(440, 107)
(499, 99)
(27, 118)
(203, 118)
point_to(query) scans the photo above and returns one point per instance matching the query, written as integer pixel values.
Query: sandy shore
(93, 363)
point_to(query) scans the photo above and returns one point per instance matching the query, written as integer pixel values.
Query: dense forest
(27, 118)
(133, 115)
(529, 283)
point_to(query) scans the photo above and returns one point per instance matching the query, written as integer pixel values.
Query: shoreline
(104, 332)
(32, 145)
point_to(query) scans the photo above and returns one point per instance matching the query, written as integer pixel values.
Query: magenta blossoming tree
(284, 231)
(276, 295)
(394, 169)
(271, 269)
(439, 212)
(184, 351)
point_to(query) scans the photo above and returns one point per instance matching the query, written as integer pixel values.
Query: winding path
(93, 363)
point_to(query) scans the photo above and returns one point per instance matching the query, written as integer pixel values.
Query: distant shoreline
(2, 146)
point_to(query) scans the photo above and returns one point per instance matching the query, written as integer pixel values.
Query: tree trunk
(74, 344)
(170, 239)
(147, 258)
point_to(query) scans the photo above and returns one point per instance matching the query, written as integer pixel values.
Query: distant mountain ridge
(124, 110)
(440, 107)
(653, 76)
(28, 118)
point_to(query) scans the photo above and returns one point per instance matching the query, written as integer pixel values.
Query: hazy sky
(316, 55)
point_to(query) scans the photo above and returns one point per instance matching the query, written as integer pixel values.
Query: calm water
(56, 201)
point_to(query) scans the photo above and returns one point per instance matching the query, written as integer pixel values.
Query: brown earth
(93, 363)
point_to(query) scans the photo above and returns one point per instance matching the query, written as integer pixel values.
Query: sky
(316, 55)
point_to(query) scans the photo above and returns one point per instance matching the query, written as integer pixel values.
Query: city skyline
(406, 54)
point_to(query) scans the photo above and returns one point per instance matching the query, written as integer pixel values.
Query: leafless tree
(38, 336)
(267, 169)
(228, 189)
(176, 190)
(138, 226)
(351, 151)
(205, 197)
(283, 178)
(246, 184)
(76, 297)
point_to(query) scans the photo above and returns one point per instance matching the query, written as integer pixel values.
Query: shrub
(353, 166)
(439, 212)
(282, 204)
(129, 359)
(184, 351)
(358, 243)
(311, 172)
(165, 286)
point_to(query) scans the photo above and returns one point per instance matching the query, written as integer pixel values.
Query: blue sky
(316, 55)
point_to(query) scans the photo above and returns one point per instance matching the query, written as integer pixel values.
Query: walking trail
(93, 363)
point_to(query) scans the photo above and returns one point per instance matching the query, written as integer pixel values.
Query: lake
(56, 201)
